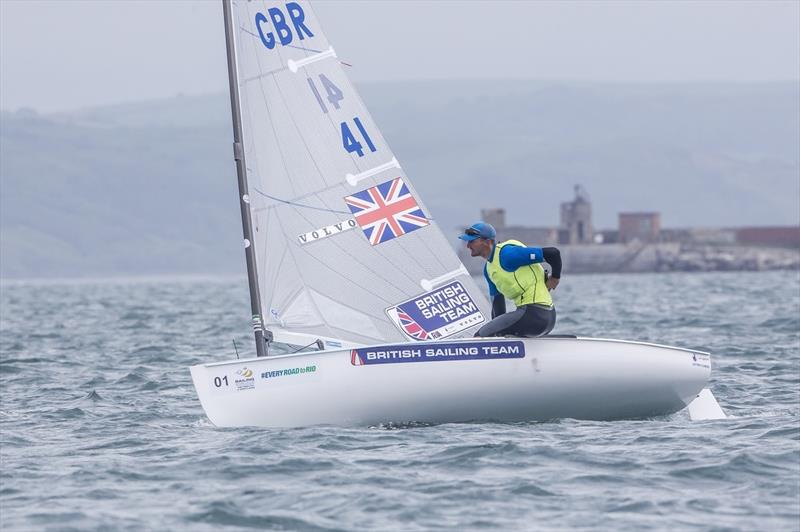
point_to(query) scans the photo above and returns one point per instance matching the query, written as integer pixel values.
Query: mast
(241, 172)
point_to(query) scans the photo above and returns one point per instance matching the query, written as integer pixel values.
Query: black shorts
(527, 320)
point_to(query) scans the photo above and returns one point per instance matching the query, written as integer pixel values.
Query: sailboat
(344, 258)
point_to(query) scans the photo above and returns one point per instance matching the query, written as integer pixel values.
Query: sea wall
(637, 257)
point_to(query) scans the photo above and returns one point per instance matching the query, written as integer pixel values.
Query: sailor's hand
(551, 283)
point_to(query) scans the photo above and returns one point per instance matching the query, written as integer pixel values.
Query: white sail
(345, 247)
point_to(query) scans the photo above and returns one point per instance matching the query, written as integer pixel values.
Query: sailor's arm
(498, 305)
(553, 257)
(513, 257)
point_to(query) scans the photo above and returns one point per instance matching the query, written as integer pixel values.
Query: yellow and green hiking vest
(523, 286)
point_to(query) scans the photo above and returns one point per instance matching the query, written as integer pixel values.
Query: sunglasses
(471, 232)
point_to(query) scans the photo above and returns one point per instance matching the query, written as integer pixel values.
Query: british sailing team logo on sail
(436, 352)
(436, 314)
(386, 211)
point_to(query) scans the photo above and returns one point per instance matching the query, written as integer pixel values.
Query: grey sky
(59, 55)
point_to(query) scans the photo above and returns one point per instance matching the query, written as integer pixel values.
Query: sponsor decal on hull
(436, 314)
(436, 352)
(244, 378)
(288, 371)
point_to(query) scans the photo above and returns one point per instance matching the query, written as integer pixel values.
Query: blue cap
(478, 230)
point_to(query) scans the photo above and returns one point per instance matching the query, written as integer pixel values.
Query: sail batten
(344, 243)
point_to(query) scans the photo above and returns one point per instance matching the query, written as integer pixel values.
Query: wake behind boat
(342, 252)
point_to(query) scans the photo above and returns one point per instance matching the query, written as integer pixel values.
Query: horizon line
(545, 81)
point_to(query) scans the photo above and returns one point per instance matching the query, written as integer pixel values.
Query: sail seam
(302, 137)
(276, 276)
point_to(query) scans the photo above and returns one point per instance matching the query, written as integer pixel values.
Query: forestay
(345, 247)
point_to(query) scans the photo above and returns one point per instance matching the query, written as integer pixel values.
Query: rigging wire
(295, 204)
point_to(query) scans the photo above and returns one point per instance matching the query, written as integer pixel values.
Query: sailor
(514, 271)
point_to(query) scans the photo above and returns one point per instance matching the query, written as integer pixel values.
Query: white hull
(582, 378)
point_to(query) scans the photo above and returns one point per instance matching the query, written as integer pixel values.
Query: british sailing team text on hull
(444, 351)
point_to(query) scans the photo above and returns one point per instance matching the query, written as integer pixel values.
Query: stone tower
(576, 219)
(496, 217)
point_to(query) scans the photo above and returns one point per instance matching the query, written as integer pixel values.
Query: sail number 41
(349, 140)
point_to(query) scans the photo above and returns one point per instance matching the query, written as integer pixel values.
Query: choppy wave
(100, 427)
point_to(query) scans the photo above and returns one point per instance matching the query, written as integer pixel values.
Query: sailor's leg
(551, 321)
(502, 325)
(537, 321)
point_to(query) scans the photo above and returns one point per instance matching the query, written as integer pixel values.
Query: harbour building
(639, 243)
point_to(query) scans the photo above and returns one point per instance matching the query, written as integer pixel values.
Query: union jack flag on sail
(411, 327)
(386, 211)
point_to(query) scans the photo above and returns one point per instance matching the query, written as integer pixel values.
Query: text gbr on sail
(278, 18)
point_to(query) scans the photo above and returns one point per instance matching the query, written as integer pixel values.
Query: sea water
(101, 427)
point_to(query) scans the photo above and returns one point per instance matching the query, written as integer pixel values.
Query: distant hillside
(151, 188)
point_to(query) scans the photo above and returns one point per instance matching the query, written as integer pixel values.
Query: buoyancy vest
(523, 286)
